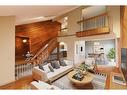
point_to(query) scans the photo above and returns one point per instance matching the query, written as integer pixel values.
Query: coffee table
(87, 78)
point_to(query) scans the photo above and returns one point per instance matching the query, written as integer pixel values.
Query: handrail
(43, 49)
(104, 14)
(94, 25)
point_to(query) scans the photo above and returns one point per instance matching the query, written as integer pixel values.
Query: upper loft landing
(87, 21)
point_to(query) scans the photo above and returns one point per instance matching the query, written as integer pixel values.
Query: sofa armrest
(42, 86)
(68, 62)
(39, 74)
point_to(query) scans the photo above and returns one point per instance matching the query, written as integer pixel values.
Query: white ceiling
(29, 14)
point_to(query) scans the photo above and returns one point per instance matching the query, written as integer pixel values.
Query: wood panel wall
(20, 47)
(124, 26)
(39, 33)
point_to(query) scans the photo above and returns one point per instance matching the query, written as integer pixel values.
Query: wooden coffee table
(87, 78)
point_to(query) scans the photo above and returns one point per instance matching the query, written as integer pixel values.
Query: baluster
(103, 21)
(22, 69)
(100, 21)
(89, 24)
(27, 68)
(17, 71)
(30, 67)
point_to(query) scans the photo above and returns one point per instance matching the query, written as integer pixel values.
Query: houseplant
(111, 54)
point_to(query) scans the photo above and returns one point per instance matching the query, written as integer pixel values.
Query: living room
(83, 33)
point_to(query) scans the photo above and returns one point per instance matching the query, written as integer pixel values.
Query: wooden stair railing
(22, 70)
(43, 53)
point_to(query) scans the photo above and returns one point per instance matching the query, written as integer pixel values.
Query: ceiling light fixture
(24, 40)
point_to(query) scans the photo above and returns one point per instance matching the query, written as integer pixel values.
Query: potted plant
(111, 54)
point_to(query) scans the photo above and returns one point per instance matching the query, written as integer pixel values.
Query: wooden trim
(98, 31)
(67, 35)
(63, 29)
(22, 36)
(104, 14)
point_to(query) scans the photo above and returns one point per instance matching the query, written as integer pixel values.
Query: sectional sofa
(50, 76)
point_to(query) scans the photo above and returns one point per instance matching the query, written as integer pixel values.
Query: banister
(26, 68)
(43, 49)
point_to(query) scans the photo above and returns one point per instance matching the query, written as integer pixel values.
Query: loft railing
(94, 25)
(25, 69)
(94, 22)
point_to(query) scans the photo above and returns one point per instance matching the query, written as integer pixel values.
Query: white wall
(78, 54)
(114, 15)
(7, 49)
(70, 46)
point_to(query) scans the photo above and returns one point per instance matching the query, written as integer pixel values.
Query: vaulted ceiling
(29, 14)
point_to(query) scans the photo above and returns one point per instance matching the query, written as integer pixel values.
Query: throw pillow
(53, 63)
(45, 63)
(51, 68)
(46, 68)
(57, 65)
(41, 67)
(62, 63)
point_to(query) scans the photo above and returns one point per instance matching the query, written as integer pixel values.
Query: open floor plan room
(63, 47)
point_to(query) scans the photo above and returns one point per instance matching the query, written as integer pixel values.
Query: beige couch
(43, 86)
(39, 74)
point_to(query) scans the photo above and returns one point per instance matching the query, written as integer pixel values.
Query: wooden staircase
(25, 69)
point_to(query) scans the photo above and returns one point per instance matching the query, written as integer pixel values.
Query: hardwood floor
(24, 82)
(108, 71)
(19, 84)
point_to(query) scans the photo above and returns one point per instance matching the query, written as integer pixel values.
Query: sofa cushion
(62, 62)
(51, 68)
(41, 66)
(58, 71)
(55, 64)
(46, 68)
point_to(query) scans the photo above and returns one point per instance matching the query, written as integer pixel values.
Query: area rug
(97, 83)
